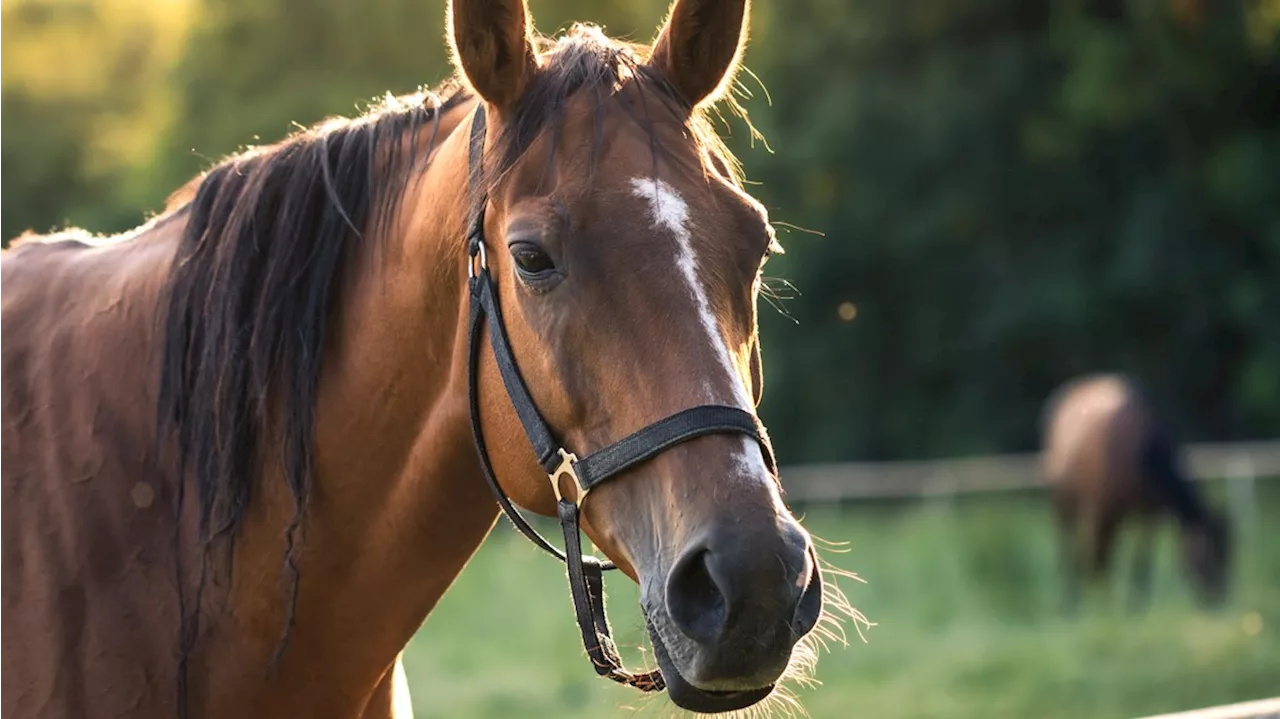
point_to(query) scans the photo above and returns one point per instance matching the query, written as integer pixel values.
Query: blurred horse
(238, 470)
(1111, 462)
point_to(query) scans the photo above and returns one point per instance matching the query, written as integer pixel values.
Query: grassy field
(965, 600)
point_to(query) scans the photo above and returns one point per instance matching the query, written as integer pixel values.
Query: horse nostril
(809, 609)
(694, 599)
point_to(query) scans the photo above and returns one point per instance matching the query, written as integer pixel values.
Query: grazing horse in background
(237, 465)
(1109, 460)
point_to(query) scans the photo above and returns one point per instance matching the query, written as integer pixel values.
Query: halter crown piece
(571, 478)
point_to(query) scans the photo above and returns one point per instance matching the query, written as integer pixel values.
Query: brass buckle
(566, 469)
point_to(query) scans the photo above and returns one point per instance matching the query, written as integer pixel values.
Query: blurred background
(980, 200)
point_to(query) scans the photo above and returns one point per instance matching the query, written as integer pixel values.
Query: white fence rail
(1240, 462)
(1261, 709)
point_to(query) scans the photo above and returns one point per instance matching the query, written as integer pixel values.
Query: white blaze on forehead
(671, 213)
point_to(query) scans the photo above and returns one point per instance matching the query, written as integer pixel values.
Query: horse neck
(1188, 506)
(1178, 491)
(399, 503)
(398, 473)
(392, 438)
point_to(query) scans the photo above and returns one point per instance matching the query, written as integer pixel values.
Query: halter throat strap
(571, 478)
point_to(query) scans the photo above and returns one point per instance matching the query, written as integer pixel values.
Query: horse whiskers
(829, 546)
(781, 703)
(837, 606)
(836, 610)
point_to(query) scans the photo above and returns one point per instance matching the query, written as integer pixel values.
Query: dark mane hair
(252, 284)
(259, 268)
(247, 302)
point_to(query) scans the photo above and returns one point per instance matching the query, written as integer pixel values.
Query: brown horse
(237, 468)
(1110, 460)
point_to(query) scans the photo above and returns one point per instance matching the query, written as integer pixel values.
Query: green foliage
(1010, 192)
(84, 98)
(43, 155)
(965, 600)
(1013, 193)
(255, 70)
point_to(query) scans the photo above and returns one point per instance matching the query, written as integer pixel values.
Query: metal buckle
(471, 262)
(567, 460)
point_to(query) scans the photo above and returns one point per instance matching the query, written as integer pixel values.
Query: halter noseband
(571, 478)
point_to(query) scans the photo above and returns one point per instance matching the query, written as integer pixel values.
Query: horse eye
(531, 259)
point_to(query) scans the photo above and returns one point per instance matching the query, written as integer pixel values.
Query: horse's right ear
(493, 47)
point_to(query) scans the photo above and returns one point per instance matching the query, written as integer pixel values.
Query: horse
(1111, 461)
(238, 467)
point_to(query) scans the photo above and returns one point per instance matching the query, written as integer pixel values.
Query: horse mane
(246, 306)
(258, 272)
(252, 285)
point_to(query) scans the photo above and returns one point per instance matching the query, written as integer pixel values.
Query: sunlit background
(979, 201)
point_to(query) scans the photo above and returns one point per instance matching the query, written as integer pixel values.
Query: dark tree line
(1009, 192)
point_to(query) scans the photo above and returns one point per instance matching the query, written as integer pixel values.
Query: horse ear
(493, 47)
(699, 46)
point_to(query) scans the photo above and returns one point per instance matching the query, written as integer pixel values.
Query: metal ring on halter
(471, 261)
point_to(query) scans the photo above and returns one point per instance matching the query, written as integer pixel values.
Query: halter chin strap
(571, 478)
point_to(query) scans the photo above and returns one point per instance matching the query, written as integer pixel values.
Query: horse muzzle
(724, 623)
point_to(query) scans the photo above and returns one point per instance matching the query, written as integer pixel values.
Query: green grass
(965, 598)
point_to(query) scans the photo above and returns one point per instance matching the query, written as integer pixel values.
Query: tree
(85, 94)
(1013, 193)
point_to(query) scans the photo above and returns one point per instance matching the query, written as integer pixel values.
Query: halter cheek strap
(571, 478)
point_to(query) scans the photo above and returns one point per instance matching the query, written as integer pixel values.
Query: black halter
(586, 580)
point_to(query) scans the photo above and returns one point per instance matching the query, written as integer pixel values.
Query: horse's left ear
(493, 46)
(699, 47)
